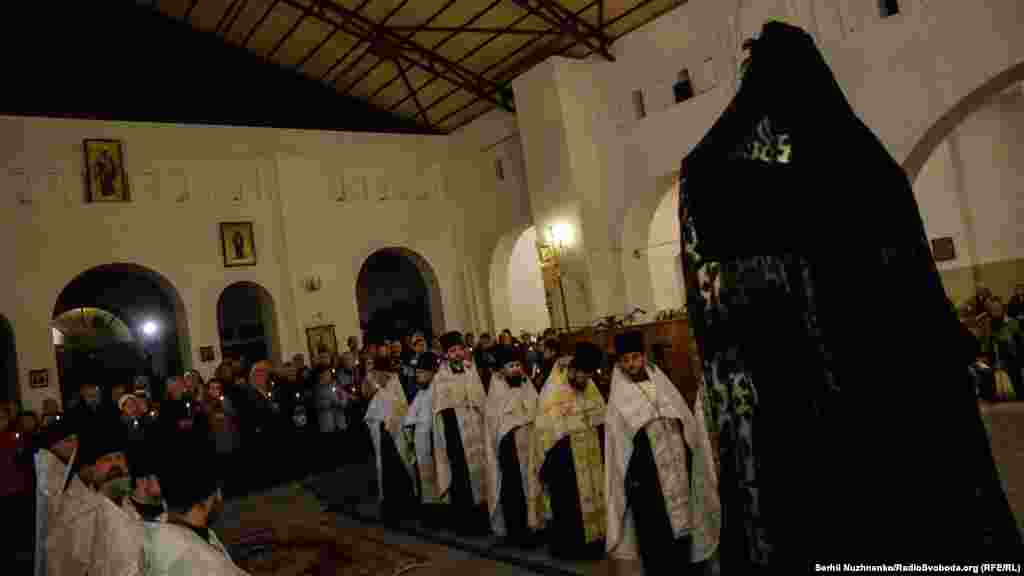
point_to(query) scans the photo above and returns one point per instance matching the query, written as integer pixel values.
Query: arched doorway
(517, 285)
(663, 254)
(967, 182)
(397, 291)
(124, 321)
(9, 392)
(247, 323)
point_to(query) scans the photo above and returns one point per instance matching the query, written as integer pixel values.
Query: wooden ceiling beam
(363, 42)
(298, 22)
(188, 13)
(542, 52)
(573, 25)
(437, 13)
(335, 28)
(361, 26)
(263, 18)
(408, 86)
(230, 16)
(478, 30)
(437, 45)
(463, 58)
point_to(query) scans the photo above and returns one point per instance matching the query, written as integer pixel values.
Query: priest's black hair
(187, 476)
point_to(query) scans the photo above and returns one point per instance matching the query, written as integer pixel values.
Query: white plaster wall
(284, 178)
(527, 309)
(936, 192)
(663, 255)
(901, 75)
(992, 147)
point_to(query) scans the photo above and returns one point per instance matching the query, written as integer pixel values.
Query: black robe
(660, 551)
(565, 535)
(399, 497)
(799, 232)
(467, 517)
(513, 493)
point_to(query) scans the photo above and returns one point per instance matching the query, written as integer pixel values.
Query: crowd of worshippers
(553, 463)
(993, 328)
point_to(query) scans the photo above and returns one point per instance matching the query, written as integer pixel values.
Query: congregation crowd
(509, 437)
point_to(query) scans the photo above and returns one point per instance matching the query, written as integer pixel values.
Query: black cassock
(468, 518)
(802, 244)
(660, 551)
(565, 535)
(513, 493)
(399, 497)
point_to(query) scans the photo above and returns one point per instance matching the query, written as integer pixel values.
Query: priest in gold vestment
(567, 460)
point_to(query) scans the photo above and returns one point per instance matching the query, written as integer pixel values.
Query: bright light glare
(149, 328)
(561, 234)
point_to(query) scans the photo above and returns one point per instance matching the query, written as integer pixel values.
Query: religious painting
(943, 249)
(321, 340)
(39, 378)
(237, 244)
(206, 354)
(104, 171)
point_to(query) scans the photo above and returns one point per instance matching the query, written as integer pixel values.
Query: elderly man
(511, 408)
(459, 402)
(660, 480)
(566, 457)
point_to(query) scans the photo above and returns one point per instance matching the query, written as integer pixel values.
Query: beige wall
(901, 74)
(285, 179)
(970, 189)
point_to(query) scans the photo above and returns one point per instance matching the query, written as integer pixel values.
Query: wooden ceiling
(441, 63)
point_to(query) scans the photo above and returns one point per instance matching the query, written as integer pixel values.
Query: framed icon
(943, 249)
(207, 354)
(238, 246)
(39, 378)
(104, 171)
(321, 340)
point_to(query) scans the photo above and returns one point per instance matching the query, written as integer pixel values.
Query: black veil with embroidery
(834, 368)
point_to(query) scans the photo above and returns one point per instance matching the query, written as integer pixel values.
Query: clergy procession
(632, 477)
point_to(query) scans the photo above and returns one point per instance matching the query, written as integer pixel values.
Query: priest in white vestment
(395, 460)
(419, 426)
(89, 533)
(459, 402)
(567, 460)
(511, 408)
(58, 445)
(185, 545)
(663, 508)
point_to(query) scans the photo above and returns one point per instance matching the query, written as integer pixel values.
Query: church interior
(276, 195)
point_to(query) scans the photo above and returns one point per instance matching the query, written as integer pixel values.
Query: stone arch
(967, 105)
(430, 285)
(136, 294)
(508, 311)
(636, 235)
(10, 391)
(258, 338)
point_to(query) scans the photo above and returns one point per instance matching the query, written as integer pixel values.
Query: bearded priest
(419, 424)
(459, 402)
(660, 480)
(566, 457)
(511, 408)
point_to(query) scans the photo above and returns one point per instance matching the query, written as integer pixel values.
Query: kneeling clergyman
(419, 426)
(395, 460)
(566, 457)
(511, 408)
(459, 402)
(663, 506)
